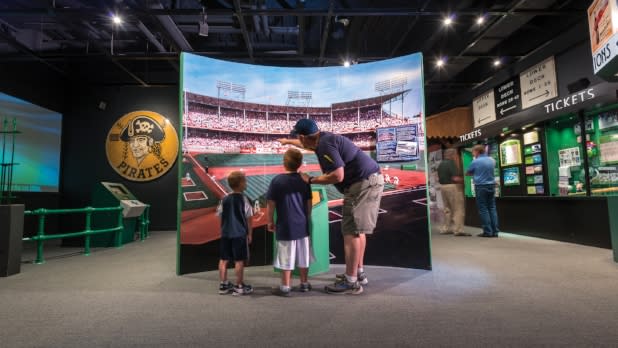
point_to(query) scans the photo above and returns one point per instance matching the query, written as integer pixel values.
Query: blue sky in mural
(328, 85)
(37, 147)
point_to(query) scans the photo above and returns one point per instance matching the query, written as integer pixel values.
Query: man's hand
(284, 141)
(305, 177)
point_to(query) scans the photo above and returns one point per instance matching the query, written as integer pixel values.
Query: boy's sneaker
(345, 287)
(278, 292)
(305, 287)
(362, 278)
(242, 289)
(225, 288)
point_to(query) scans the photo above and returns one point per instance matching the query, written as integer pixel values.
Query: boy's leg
(286, 278)
(223, 270)
(239, 268)
(304, 275)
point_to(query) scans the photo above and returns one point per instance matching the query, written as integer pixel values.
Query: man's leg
(482, 198)
(361, 251)
(351, 246)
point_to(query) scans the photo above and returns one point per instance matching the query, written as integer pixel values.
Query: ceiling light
(448, 21)
(116, 19)
(203, 26)
(440, 63)
(480, 20)
(497, 62)
(346, 64)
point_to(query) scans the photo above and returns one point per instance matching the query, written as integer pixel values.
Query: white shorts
(293, 252)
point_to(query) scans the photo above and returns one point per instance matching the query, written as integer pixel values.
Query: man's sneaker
(345, 287)
(278, 292)
(225, 288)
(305, 287)
(242, 289)
(362, 278)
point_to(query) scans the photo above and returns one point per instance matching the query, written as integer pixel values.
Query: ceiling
(76, 38)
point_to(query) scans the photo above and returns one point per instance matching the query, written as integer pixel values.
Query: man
(358, 177)
(452, 195)
(482, 170)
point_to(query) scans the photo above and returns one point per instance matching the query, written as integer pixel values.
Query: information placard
(397, 143)
(538, 83)
(484, 108)
(507, 97)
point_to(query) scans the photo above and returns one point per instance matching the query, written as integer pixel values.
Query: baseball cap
(305, 126)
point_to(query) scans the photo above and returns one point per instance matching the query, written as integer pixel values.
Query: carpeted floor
(510, 291)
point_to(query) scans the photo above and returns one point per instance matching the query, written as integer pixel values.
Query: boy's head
(292, 159)
(237, 180)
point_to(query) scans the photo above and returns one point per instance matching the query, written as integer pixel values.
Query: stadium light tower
(393, 85)
(299, 98)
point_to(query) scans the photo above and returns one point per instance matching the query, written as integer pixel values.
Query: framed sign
(538, 83)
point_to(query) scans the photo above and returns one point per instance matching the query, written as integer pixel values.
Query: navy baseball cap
(305, 126)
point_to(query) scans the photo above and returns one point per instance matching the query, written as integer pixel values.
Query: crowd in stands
(200, 140)
(277, 119)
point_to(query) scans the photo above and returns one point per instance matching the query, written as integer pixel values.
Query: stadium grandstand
(357, 116)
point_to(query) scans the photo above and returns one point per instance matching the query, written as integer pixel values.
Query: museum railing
(41, 237)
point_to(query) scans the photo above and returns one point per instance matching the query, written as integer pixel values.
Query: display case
(602, 153)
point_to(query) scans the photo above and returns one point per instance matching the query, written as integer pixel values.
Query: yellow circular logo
(142, 146)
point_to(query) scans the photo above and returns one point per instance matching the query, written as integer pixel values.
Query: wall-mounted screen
(395, 144)
(510, 152)
(37, 146)
(511, 176)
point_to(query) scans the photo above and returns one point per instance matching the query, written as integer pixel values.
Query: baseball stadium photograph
(237, 117)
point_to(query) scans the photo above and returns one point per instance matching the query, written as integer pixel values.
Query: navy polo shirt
(335, 151)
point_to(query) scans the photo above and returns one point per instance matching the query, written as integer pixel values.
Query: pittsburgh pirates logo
(142, 146)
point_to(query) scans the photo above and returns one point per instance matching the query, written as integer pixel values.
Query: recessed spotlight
(116, 19)
(448, 21)
(497, 62)
(480, 20)
(440, 63)
(346, 64)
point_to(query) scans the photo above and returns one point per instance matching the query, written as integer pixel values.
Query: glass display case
(566, 173)
(602, 152)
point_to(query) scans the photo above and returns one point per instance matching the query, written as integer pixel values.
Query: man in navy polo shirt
(358, 177)
(482, 171)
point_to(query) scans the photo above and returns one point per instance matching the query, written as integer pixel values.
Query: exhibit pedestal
(11, 232)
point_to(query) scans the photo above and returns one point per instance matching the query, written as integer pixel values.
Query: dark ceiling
(77, 39)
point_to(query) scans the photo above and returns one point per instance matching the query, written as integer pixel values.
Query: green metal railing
(41, 237)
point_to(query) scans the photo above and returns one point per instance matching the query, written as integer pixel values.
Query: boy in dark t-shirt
(290, 196)
(236, 233)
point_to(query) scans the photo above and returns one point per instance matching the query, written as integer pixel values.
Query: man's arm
(270, 215)
(286, 141)
(334, 177)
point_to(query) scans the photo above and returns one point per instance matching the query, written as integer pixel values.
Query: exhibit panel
(233, 116)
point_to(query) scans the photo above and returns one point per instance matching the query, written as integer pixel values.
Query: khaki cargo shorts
(361, 203)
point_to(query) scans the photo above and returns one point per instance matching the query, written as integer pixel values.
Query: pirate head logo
(142, 146)
(144, 136)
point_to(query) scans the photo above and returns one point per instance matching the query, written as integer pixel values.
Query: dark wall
(84, 159)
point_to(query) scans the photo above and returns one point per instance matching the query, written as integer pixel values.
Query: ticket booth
(319, 232)
(109, 194)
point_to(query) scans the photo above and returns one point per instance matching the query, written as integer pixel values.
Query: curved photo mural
(233, 115)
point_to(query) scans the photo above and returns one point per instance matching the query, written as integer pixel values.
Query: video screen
(395, 144)
(510, 176)
(37, 145)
